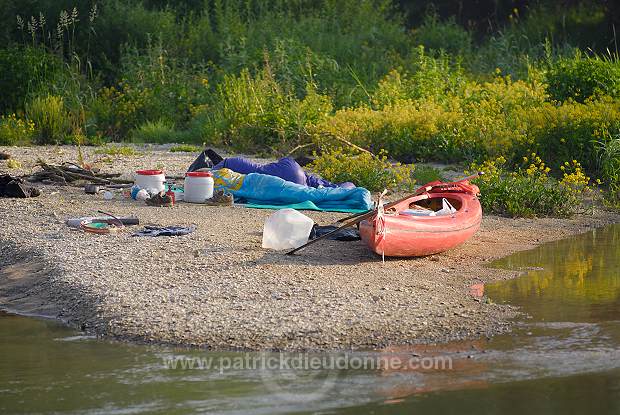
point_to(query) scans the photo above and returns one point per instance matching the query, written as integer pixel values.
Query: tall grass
(51, 119)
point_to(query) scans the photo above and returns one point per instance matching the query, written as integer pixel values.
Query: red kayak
(408, 229)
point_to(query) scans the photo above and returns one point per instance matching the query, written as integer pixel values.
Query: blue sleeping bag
(261, 190)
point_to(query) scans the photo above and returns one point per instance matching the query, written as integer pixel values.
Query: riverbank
(217, 288)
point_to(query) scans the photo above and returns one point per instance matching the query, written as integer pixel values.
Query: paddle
(362, 216)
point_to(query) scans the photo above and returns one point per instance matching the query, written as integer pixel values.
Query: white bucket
(286, 229)
(198, 186)
(150, 180)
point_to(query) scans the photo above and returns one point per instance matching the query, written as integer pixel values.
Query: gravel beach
(217, 288)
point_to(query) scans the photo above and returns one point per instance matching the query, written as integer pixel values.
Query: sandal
(160, 199)
(220, 198)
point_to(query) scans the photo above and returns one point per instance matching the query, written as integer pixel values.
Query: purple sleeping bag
(286, 168)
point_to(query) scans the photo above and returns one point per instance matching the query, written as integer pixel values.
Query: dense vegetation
(413, 80)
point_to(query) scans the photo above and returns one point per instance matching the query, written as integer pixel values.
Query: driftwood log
(68, 173)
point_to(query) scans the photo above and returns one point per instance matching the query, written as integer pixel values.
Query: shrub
(581, 78)
(530, 191)
(253, 113)
(128, 23)
(570, 131)
(153, 86)
(13, 164)
(445, 36)
(25, 71)
(185, 148)
(426, 78)
(406, 131)
(158, 131)
(481, 120)
(609, 153)
(426, 174)
(375, 173)
(341, 46)
(15, 130)
(51, 120)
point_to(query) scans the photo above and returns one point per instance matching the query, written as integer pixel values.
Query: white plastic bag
(447, 208)
(286, 229)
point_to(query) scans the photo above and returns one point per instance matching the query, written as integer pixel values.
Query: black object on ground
(165, 230)
(4, 156)
(348, 234)
(15, 187)
(207, 159)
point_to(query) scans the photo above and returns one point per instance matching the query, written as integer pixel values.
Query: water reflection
(577, 279)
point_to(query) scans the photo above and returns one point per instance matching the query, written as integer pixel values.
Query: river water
(563, 357)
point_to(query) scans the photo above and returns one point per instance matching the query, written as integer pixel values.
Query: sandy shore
(218, 288)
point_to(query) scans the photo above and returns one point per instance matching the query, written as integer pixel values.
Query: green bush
(609, 151)
(407, 131)
(185, 148)
(255, 113)
(426, 174)
(25, 71)
(530, 191)
(51, 120)
(480, 120)
(375, 173)
(570, 131)
(14, 131)
(443, 36)
(158, 131)
(428, 78)
(117, 151)
(153, 87)
(580, 78)
(121, 23)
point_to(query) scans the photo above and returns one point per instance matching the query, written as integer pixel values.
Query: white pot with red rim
(198, 186)
(151, 180)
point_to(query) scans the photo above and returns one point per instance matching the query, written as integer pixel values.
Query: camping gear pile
(437, 217)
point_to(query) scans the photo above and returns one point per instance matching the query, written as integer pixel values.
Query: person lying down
(262, 189)
(286, 168)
